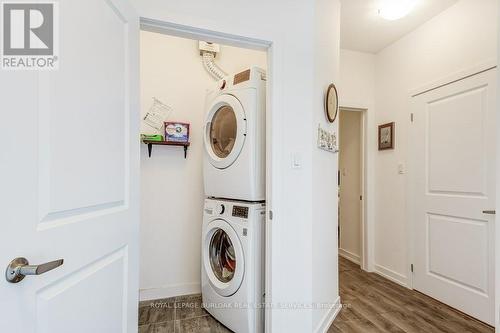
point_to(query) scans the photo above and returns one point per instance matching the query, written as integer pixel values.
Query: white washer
(232, 269)
(235, 129)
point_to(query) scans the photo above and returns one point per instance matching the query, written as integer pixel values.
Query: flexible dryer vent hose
(209, 62)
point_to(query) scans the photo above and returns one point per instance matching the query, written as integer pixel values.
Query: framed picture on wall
(386, 136)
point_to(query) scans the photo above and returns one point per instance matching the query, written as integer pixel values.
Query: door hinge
(270, 214)
(411, 268)
(411, 117)
(360, 197)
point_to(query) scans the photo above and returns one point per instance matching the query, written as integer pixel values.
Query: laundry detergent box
(176, 131)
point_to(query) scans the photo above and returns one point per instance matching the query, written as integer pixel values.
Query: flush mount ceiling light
(395, 9)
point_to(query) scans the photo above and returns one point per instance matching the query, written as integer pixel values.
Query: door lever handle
(490, 212)
(20, 267)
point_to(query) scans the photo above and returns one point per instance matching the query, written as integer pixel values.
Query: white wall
(357, 79)
(172, 187)
(350, 160)
(290, 27)
(459, 38)
(325, 287)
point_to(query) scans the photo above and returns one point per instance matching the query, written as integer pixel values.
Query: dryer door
(225, 131)
(223, 258)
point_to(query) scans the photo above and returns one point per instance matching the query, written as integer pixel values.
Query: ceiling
(362, 29)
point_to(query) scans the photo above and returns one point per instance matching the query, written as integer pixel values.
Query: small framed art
(386, 136)
(176, 131)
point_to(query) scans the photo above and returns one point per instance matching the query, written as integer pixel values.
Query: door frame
(410, 181)
(367, 187)
(190, 32)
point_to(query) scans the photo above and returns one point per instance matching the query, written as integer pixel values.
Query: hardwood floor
(374, 304)
(182, 314)
(371, 304)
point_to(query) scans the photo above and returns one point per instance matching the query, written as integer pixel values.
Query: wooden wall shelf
(166, 143)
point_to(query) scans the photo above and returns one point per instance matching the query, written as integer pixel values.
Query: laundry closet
(203, 109)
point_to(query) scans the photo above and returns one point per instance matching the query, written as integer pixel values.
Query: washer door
(223, 258)
(225, 131)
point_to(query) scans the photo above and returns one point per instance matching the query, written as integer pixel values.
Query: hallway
(375, 304)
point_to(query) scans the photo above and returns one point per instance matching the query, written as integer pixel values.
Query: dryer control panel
(240, 211)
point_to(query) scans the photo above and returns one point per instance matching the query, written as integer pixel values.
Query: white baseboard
(392, 275)
(355, 258)
(169, 291)
(329, 317)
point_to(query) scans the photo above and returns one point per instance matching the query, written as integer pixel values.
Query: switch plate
(401, 168)
(296, 161)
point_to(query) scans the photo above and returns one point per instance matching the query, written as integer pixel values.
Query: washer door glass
(222, 256)
(223, 131)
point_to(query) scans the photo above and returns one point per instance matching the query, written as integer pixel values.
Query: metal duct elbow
(215, 71)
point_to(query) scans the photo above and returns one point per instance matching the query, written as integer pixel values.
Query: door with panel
(453, 194)
(69, 174)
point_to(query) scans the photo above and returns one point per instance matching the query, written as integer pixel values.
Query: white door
(69, 177)
(454, 162)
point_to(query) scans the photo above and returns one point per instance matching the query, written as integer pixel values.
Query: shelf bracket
(150, 145)
(150, 149)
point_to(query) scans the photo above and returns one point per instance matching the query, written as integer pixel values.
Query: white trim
(353, 105)
(273, 183)
(184, 31)
(350, 256)
(410, 181)
(169, 291)
(392, 275)
(329, 317)
(458, 75)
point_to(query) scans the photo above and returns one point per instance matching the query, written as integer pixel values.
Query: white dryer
(233, 264)
(235, 129)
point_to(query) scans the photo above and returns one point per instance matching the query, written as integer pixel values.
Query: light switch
(296, 161)
(401, 168)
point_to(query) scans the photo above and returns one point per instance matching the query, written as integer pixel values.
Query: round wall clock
(331, 103)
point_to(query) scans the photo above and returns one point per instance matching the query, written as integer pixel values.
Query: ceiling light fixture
(395, 9)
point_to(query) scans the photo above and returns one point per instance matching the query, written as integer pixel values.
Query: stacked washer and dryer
(234, 214)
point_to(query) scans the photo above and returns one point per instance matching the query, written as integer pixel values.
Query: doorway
(351, 187)
(172, 73)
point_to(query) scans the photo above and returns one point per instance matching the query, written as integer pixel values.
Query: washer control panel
(239, 211)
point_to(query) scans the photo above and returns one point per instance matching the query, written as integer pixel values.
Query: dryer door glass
(222, 256)
(223, 131)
